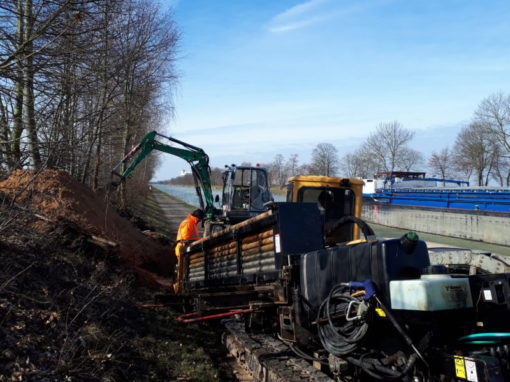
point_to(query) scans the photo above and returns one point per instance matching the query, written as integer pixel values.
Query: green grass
(150, 211)
(278, 190)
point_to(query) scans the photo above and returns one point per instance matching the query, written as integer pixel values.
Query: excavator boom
(195, 156)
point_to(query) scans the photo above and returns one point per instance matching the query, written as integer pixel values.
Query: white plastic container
(431, 293)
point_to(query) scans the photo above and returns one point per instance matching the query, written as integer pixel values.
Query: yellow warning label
(380, 312)
(460, 368)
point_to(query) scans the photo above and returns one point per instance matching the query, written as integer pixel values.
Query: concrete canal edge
(471, 225)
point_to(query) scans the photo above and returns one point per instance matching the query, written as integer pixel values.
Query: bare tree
(493, 114)
(277, 170)
(409, 159)
(441, 162)
(351, 165)
(359, 164)
(324, 160)
(292, 166)
(27, 27)
(475, 148)
(388, 145)
(501, 169)
(81, 82)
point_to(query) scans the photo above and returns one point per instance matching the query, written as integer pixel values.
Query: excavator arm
(195, 156)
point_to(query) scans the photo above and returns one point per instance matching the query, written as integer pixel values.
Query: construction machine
(339, 203)
(362, 310)
(245, 189)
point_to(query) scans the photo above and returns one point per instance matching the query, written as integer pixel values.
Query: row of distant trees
(81, 82)
(481, 152)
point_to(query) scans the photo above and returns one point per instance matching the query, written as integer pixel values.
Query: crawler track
(267, 359)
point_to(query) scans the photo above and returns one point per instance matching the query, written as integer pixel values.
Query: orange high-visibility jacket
(188, 230)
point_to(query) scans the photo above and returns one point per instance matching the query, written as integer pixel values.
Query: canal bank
(432, 240)
(477, 226)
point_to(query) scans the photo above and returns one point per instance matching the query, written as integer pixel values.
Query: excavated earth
(56, 196)
(74, 280)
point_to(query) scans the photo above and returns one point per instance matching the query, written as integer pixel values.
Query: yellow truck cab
(339, 202)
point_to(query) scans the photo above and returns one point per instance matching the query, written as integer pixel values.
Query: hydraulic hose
(381, 372)
(367, 231)
(346, 336)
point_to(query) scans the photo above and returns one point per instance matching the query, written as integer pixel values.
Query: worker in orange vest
(188, 232)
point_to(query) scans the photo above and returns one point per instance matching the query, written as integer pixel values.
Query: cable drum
(343, 321)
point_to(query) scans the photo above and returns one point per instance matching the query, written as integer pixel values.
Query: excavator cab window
(245, 191)
(259, 192)
(241, 190)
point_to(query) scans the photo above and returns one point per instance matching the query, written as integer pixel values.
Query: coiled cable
(340, 328)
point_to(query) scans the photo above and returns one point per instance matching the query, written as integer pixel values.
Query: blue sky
(263, 77)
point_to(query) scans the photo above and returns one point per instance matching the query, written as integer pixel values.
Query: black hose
(377, 373)
(401, 331)
(345, 337)
(301, 353)
(365, 228)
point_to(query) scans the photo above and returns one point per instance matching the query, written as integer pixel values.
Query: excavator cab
(339, 203)
(245, 192)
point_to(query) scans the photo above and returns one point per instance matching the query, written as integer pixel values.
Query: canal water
(186, 194)
(189, 196)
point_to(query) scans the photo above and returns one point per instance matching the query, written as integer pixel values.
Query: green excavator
(245, 189)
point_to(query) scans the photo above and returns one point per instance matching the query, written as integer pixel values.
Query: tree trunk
(18, 107)
(5, 152)
(103, 99)
(95, 177)
(28, 92)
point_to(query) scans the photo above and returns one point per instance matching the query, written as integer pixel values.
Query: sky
(262, 77)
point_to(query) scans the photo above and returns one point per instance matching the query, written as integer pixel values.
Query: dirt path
(175, 210)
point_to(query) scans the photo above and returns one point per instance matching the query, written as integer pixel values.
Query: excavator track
(267, 359)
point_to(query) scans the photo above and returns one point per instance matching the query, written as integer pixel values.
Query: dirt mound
(70, 312)
(56, 196)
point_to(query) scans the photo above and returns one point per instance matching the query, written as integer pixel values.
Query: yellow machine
(339, 201)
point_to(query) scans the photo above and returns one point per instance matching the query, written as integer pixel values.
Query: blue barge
(458, 198)
(413, 189)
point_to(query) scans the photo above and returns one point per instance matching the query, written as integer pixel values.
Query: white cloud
(300, 9)
(299, 16)
(315, 11)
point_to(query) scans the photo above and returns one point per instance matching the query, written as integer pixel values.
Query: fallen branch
(7, 282)
(105, 243)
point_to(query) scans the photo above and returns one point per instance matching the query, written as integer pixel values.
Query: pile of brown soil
(56, 196)
(70, 312)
